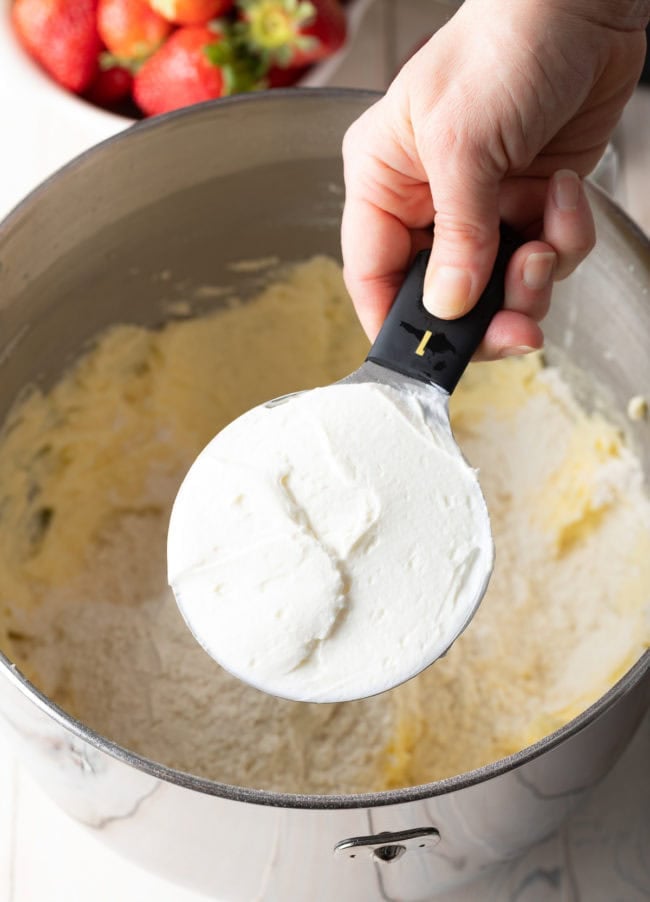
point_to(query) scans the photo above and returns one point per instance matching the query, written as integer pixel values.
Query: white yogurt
(330, 547)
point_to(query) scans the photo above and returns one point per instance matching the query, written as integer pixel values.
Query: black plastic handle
(415, 343)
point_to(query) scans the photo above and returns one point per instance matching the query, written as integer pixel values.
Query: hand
(498, 116)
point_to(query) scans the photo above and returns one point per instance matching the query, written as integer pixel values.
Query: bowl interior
(151, 216)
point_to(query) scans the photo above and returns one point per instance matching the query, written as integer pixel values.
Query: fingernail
(446, 292)
(538, 270)
(566, 190)
(516, 351)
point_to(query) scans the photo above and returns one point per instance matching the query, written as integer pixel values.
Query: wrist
(622, 15)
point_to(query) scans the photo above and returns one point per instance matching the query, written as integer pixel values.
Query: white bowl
(46, 126)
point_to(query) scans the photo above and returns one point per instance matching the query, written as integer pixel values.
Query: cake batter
(88, 473)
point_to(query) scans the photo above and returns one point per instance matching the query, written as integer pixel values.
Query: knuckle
(579, 251)
(439, 140)
(465, 230)
(455, 139)
(352, 139)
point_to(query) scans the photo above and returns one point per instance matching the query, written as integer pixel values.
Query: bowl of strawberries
(74, 72)
(139, 58)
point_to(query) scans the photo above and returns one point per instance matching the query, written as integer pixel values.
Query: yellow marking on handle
(422, 346)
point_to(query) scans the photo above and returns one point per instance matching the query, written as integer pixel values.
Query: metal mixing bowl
(261, 175)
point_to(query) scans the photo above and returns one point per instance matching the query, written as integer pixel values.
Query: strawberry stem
(110, 61)
(242, 69)
(276, 24)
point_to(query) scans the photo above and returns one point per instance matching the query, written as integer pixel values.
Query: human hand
(498, 116)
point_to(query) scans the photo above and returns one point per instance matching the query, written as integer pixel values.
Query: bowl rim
(267, 797)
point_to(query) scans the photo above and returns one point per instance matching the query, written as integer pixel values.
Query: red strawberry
(111, 87)
(62, 36)
(179, 74)
(130, 29)
(194, 64)
(292, 33)
(191, 12)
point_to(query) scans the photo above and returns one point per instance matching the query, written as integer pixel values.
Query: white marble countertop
(602, 854)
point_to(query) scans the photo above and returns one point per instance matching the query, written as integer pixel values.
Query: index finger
(386, 211)
(377, 249)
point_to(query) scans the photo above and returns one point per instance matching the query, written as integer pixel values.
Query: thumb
(465, 244)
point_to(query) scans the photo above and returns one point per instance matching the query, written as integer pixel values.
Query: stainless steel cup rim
(266, 797)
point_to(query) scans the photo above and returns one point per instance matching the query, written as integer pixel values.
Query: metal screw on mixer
(389, 853)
